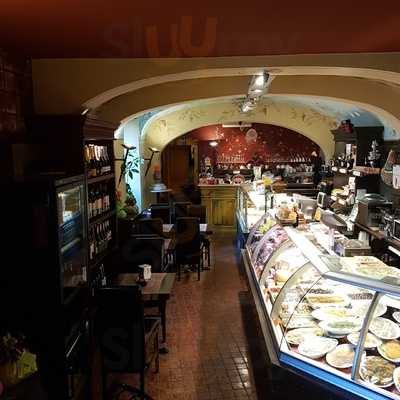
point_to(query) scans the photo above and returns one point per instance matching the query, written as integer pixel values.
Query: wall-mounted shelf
(101, 178)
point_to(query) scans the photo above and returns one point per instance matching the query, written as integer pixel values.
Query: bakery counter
(220, 201)
(333, 320)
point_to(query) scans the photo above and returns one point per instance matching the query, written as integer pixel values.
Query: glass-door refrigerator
(46, 292)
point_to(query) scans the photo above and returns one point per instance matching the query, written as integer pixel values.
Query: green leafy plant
(130, 164)
(11, 348)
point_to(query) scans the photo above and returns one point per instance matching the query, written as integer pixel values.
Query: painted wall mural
(263, 141)
(314, 125)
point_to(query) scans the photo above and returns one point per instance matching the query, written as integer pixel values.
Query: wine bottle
(91, 203)
(87, 157)
(92, 247)
(107, 162)
(107, 198)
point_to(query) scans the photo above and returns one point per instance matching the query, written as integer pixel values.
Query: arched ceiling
(70, 85)
(126, 28)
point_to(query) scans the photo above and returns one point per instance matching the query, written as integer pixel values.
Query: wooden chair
(199, 211)
(142, 249)
(150, 226)
(161, 211)
(188, 244)
(180, 209)
(128, 342)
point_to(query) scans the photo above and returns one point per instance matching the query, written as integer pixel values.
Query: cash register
(371, 208)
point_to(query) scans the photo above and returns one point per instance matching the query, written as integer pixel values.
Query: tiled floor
(214, 340)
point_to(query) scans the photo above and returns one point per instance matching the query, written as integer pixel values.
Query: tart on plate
(341, 357)
(377, 370)
(390, 350)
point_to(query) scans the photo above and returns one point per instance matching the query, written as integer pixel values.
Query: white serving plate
(362, 309)
(396, 378)
(316, 347)
(333, 326)
(297, 336)
(374, 341)
(315, 300)
(384, 328)
(396, 316)
(332, 313)
(333, 357)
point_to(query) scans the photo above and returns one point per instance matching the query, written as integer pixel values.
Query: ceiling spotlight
(248, 104)
(85, 111)
(213, 143)
(260, 80)
(357, 113)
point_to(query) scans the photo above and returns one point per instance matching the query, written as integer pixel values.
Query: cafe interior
(201, 204)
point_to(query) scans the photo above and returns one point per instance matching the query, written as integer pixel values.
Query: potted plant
(130, 166)
(11, 350)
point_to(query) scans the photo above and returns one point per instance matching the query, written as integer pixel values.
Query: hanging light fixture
(213, 143)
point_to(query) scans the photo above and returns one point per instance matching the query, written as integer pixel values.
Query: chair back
(119, 329)
(198, 211)
(180, 209)
(150, 226)
(161, 211)
(188, 238)
(139, 250)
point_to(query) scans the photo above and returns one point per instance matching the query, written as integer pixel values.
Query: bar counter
(220, 200)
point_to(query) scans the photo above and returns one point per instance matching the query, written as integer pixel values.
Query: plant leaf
(130, 174)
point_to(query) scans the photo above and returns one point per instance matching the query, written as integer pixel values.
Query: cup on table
(145, 271)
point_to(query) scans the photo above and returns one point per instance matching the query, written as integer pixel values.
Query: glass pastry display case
(251, 206)
(329, 318)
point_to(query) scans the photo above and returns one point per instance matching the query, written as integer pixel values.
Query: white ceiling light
(213, 143)
(260, 80)
(257, 88)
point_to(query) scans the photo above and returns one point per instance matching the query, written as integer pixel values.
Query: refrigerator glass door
(71, 222)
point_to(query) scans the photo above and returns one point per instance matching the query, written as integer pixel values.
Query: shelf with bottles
(99, 159)
(101, 240)
(101, 199)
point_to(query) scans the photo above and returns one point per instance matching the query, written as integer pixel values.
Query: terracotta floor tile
(216, 348)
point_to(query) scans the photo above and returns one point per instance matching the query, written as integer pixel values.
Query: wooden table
(169, 228)
(155, 294)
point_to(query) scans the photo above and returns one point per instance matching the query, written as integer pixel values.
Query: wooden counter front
(220, 201)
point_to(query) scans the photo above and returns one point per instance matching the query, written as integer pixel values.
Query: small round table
(158, 192)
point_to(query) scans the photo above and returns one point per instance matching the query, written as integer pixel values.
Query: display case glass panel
(265, 248)
(71, 214)
(379, 364)
(263, 225)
